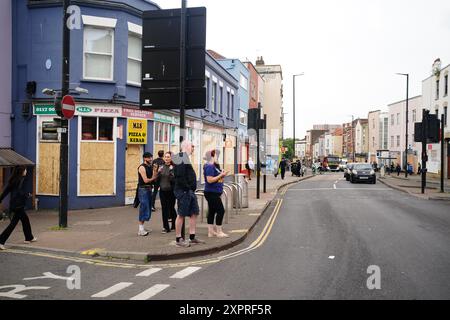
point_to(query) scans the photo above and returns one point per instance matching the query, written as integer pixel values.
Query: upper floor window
(414, 116)
(437, 89)
(214, 97)
(134, 57)
(243, 118)
(232, 106)
(445, 116)
(446, 85)
(392, 120)
(208, 94)
(220, 100)
(243, 82)
(98, 53)
(228, 103)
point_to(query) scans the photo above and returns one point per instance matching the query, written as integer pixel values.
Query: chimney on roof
(260, 61)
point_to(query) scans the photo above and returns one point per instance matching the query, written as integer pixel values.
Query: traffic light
(433, 134)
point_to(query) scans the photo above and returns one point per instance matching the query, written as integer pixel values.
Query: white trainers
(143, 233)
(2, 247)
(29, 242)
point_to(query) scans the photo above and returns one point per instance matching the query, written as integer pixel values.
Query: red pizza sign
(68, 107)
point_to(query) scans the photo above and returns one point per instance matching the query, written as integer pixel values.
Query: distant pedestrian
(185, 187)
(419, 171)
(19, 196)
(146, 178)
(398, 169)
(214, 176)
(283, 165)
(157, 163)
(250, 168)
(166, 180)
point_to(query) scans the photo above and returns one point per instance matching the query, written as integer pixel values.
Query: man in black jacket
(184, 190)
(157, 163)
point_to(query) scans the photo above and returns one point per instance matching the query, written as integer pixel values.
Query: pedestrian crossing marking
(185, 272)
(150, 293)
(149, 272)
(110, 291)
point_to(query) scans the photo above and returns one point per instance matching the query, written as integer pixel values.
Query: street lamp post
(407, 122)
(293, 77)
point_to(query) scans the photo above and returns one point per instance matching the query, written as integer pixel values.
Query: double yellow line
(256, 244)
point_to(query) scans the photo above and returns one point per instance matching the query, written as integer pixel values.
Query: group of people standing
(174, 177)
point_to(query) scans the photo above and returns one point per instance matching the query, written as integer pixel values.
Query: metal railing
(230, 190)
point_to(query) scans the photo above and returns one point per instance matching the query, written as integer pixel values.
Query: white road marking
(185, 273)
(49, 275)
(149, 272)
(334, 187)
(110, 291)
(16, 289)
(331, 257)
(150, 293)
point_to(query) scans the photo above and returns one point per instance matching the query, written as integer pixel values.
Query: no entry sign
(68, 107)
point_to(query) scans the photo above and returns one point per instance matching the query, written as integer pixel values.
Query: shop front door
(133, 160)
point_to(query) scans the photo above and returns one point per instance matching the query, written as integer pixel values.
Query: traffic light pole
(442, 151)
(183, 83)
(64, 147)
(424, 148)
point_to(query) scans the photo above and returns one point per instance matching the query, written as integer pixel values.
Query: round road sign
(68, 107)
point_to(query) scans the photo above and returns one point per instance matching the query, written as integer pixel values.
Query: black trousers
(19, 215)
(283, 173)
(215, 208)
(168, 201)
(155, 193)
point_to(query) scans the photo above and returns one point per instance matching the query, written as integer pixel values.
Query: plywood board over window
(97, 165)
(133, 160)
(48, 169)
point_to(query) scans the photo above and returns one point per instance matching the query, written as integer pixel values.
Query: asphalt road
(322, 238)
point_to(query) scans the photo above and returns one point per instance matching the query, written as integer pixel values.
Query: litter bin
(242, 182)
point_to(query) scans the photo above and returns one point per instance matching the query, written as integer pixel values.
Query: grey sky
(349, 50)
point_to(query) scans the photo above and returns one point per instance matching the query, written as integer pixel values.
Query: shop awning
(10, 158)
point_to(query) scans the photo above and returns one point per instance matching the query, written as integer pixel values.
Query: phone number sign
(137, 131)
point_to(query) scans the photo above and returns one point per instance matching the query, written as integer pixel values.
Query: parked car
(363, 172)
(347, 170)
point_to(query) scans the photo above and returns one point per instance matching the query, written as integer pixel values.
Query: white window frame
(241, 82)
(134, 30)
(245, 123)
(99, 23)
(96, 141)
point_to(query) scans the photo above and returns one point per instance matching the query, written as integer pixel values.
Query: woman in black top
(19, 196)
(166, 181)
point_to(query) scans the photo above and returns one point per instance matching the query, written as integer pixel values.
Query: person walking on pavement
(146, 178)
(419, 171)
(399, 169)
(184, 190)
(213, 191)
(283, 165)
(250, 167)
(157, 163)
(166, 181)
(19, 196)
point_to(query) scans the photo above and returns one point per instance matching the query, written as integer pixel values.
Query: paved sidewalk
(112, 232)
(413, 186)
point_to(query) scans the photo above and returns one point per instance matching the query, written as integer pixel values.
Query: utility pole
(424, 148)
(294, 76)
(64, 148)
(183, 83)
(442, 151)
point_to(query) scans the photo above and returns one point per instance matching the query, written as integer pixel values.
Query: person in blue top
(213, 191)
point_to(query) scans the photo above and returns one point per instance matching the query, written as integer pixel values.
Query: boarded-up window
(97, 165)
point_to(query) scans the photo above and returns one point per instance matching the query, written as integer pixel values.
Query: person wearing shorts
(184, 190)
